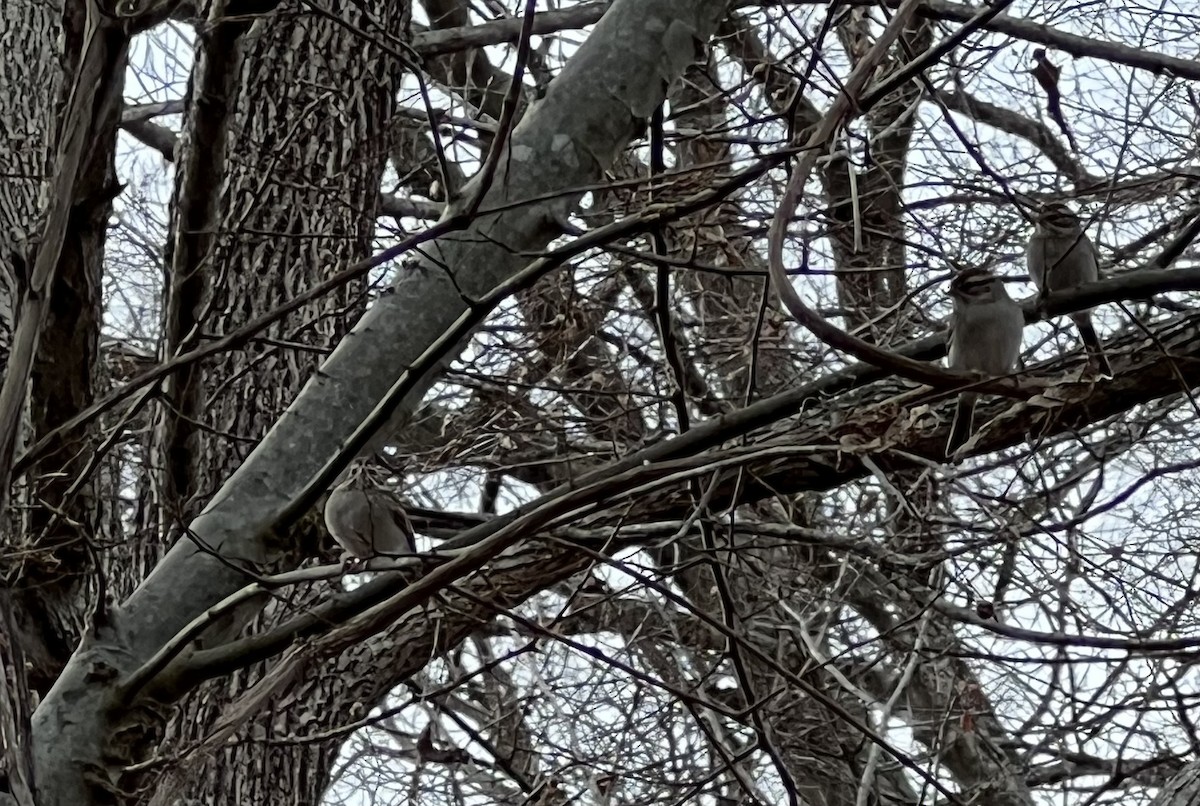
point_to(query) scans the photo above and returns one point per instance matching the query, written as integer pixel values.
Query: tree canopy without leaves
(680, 542)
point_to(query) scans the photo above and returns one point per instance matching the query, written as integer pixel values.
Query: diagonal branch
(1078, 46)
(590, 113)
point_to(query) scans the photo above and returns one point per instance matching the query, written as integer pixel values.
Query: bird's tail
(963, 425)
(1091, 342)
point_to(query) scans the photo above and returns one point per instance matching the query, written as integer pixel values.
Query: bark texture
(68, 515)
(29, 644)
(588, 115)
(281, 165)
(799, 601)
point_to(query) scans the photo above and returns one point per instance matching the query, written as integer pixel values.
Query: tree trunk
(281, 165)
(586, 118)
(30, 647)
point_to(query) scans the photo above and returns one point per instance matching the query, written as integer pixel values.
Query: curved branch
(840, 112)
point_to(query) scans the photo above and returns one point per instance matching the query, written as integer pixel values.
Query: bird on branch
(365, 519)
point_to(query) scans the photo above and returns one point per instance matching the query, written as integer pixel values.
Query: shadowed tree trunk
(155, 613)
(799, 595)
(59, 512)
(31, 648)
(50, 571)
(281, 166)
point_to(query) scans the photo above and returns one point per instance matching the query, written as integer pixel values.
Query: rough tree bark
(29, 63)
(50, 268)
(76, 732)
(587, 116)
(58, 511)
(280, 168)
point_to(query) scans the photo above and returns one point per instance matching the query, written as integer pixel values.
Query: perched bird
(1060, 256)
(985, 337)
(365, 519)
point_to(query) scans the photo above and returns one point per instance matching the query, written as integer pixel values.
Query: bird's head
(977, 285)
(359, 473)
(1058, 218)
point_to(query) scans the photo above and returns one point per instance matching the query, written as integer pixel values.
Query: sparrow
(985, 338)
(1060, 257)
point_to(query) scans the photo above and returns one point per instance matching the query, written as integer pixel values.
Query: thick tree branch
(1078, 46)
(590, 113)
